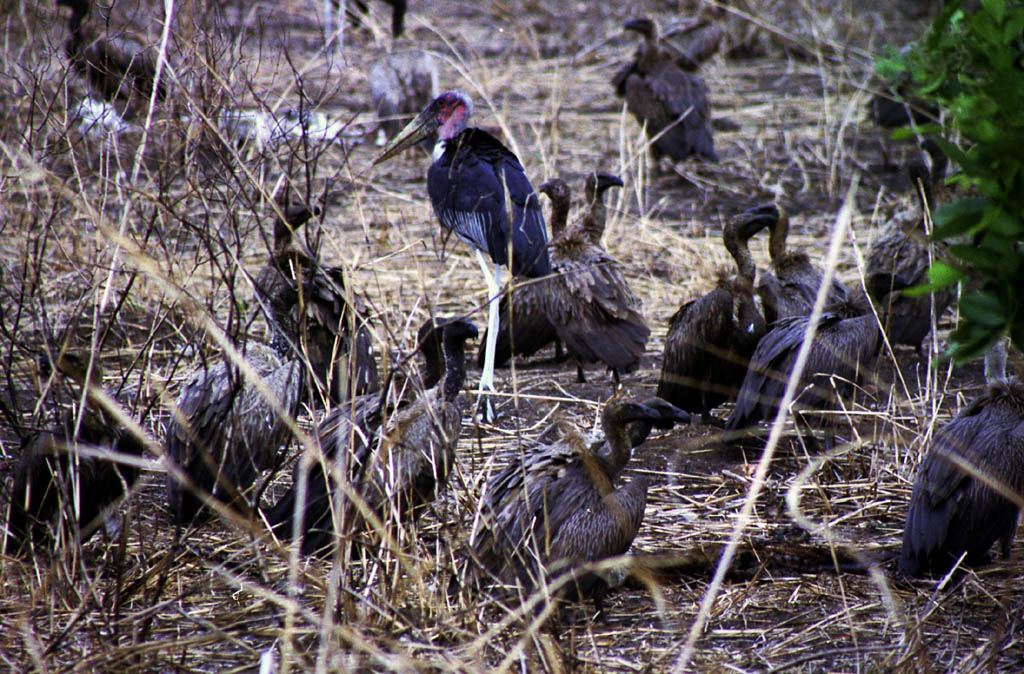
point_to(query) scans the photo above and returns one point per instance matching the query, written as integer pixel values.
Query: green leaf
(958, 217)
(984, 130)
(999, 222)
(983, 27)
(985, 260)
(943, 275)
(984, 309)
(965, 351)
(1014, 26)
(971, 64)
(906, 132)
(997, 8)
(920, 291)
(955, 154)
(970, 341)
(892, 66)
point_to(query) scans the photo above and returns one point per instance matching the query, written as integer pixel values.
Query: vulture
(596, 216)
(891, 111)
(225, 431)
(523, 325)
(789, 288)
(710, 339)
(899, 259)
(697, 42)
(313, 311)
(51, 476)
(670, 103)
(587, 300)
(398, 8)
(397, 459)
(892, 108)
(117, 68)
(557, 508)
(843, 349)
(524, 328)
(402, 84)
(956, 508)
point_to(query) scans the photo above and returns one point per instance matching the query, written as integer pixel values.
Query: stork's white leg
(493, 290)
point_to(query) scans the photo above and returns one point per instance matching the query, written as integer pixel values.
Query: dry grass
(141, 247)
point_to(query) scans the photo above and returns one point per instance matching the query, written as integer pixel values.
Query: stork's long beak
(413, 133)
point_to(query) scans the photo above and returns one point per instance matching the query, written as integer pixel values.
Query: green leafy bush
(972, 65)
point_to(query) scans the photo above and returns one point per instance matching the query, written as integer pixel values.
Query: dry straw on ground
(141, 246)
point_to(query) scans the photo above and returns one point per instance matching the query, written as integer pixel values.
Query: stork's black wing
(467, 186)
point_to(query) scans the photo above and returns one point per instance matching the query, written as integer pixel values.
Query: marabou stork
(51, 476)
(788, 289)
(954, 512)
(587, 299)
(395, 456)
(673, 104)
(468, 182)
(710, 339)
(557, 507)
(117, 68)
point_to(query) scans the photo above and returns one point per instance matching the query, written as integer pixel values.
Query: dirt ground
(137, 243)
